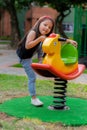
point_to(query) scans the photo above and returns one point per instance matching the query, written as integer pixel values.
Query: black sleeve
(43, 55)
(62, 39)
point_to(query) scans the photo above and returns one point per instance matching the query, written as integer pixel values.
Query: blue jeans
(26, 63)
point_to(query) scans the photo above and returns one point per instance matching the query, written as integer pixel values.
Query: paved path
(8, 57)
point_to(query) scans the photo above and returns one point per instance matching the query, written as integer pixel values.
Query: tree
(64, 9)
(12, 6)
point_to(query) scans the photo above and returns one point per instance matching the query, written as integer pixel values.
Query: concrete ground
(8, 58)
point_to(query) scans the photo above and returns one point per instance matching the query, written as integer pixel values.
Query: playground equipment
(60, 63)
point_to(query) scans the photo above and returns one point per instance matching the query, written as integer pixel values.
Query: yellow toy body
(52, 47)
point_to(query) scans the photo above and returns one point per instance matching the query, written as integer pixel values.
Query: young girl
(30, 45)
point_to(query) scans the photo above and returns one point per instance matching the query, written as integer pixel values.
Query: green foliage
(18, 4)
(64, 9)
(12, 6)
(61, 5)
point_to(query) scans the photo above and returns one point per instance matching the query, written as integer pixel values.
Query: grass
(34, 60)
(19, 83)
(5, 38)
(85, 71)
(15, 86)
(17, 65)
(5, 42)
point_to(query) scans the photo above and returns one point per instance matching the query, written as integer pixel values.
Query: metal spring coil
(60, 86)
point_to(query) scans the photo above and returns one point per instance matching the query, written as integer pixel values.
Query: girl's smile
(45, 27)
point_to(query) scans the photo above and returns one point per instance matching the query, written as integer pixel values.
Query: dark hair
(41, 19)
(20, 42)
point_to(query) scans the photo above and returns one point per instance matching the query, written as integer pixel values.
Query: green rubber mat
(22, 108)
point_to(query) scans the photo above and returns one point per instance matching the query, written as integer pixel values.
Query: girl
(30, 45)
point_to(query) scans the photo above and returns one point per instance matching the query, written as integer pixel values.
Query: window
(68, 27)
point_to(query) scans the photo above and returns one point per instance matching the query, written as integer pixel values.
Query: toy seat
(69, 54)
(48, 71)
(56, 62)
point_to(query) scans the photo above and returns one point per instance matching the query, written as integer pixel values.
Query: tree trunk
(59, 25)
(15, 33)
(59, 22)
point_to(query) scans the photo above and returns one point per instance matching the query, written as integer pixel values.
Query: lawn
(12, 86)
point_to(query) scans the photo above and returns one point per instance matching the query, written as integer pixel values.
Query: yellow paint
(52, 47)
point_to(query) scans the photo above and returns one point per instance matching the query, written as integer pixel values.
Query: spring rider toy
(60, 63)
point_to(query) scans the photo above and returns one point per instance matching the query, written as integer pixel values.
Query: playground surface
(8, 58)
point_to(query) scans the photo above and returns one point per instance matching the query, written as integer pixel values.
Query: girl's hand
(42, 38)
(74, 43)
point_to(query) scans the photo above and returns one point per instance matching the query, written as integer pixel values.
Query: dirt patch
(5, 117)
(6, 96)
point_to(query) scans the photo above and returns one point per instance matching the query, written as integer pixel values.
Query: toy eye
(55, 43)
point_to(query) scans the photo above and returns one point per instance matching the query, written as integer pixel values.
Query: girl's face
(45, 26)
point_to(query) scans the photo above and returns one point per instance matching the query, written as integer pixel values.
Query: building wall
(35, 13)
(26, 19)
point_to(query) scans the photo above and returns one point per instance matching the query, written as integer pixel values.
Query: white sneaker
(36, 102)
